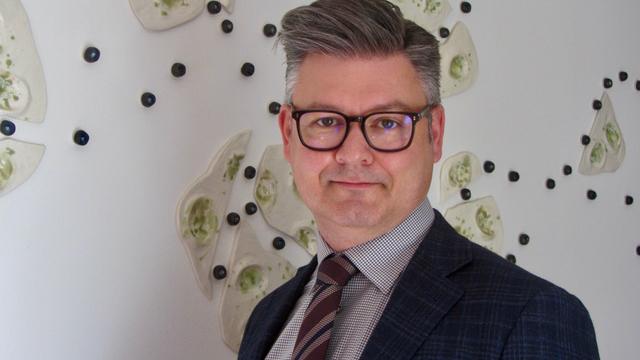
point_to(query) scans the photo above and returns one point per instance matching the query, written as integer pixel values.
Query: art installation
(459, 62)
(479, 221)
(457, 172)
(159, 15)
(202, 208)
(605, 150)
(18, 161)
(429, 14)
(276, 195)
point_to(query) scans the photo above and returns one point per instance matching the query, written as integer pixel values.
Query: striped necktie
(315, 332)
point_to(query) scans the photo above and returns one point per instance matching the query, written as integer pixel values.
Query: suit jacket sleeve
(553, 325)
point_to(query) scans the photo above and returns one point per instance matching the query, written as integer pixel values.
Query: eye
(327, 122)
(387, 123)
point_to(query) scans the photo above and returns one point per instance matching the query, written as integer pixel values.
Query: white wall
(90, 263)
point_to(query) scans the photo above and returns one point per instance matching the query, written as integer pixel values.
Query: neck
(341, 238)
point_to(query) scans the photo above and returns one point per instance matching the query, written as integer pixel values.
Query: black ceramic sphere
(551, 184)
(489, 166)
(233, 218)
(511, 258)
(214, 7)
(148, 99)
(7, 127)
(638, 250)
(591, 195)
(219, 272)
(444, 32)
(523, 239)
(608, 83)
(597, 104)
(178, 70)
(269, 30)
(248, 69)
(81, 137)
(274, 107)
(465, 194)
(514, 176)
(585, 140)
(567, 170)
(638, 85)
(465, 7)
(91, 54)
(628, 200)
(249, 172)
(250, 208)
(278, 243)
(227, 26)
(623, 76)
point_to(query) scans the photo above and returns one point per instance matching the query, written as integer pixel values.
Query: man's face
(355, 187)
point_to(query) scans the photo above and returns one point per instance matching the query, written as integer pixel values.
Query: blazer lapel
(276, 309)
(422, 296)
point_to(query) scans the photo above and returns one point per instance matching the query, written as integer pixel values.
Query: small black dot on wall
(511, 258)
(638, 250)
(623, 76)
(178, 70)
(80, 137)
(249, 172)
(227, 26)
(585, 140)
(250, 208)
(233, 218)
(278, 243)
(269, 30)
(514, 176)
(91, 54)
(7, 127)
(465, 194)
(444, 32)
(219, 272)
(551, 184)
(274, 107)
(489, 166)
(523, 239)
(607, 83)
(597, 104)
(214, 7)
(567, 170)
(148, 99)
(591, 195)
(465, 7)
(248, 69)
(638, 85)
(628, 200)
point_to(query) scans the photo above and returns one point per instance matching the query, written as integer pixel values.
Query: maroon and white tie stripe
(315, 332)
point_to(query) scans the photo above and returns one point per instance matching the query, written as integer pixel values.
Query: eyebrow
(394, 105)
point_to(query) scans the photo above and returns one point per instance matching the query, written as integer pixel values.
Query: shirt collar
(382, 259)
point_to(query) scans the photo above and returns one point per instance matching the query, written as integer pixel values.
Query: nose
(354, 149)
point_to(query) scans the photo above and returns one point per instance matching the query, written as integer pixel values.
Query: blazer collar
(422, 296)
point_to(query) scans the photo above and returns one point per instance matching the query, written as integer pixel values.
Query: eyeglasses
(389, 131)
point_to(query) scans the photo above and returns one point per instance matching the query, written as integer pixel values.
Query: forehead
(358, 84)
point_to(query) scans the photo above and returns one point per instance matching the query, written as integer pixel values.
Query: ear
(286, 130)
(437, 131)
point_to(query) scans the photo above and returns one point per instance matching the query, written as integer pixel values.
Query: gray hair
(357, 28)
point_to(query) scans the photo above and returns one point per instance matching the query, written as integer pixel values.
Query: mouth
(354, 184)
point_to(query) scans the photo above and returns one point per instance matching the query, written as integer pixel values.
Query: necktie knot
(336, 269)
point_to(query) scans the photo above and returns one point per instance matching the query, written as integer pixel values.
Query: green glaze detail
(233, 166)
(433, 7)
(305, 236)
(462, 229)
(460, 172)
(460, 67)
(484, 222)
(167, 5)
(6, 167)
(266, 190)
(597, 153)
(613, 136)
(7, 91)
(202, 221)
(250, 278)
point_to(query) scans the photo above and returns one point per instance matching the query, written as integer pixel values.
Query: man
(362, 129)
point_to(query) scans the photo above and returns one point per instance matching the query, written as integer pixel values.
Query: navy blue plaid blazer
(455, 300)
